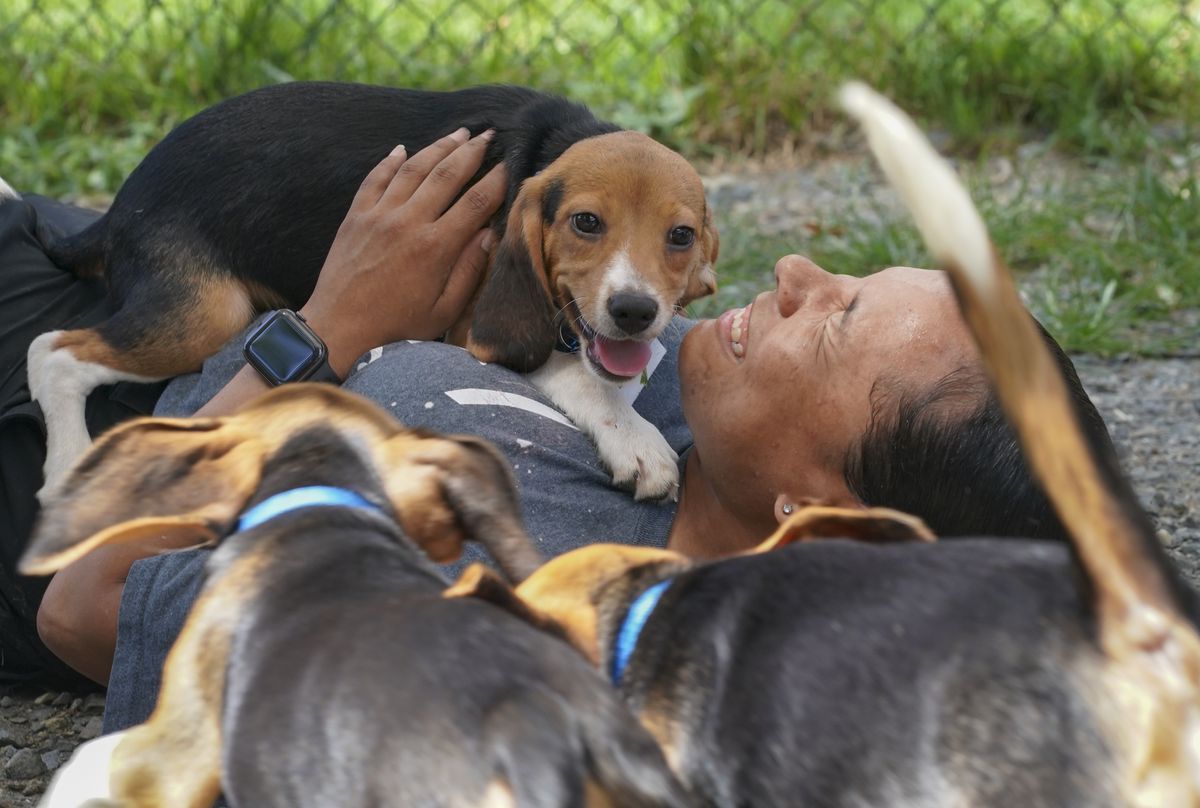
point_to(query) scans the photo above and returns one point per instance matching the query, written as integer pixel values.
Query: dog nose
(632, 313)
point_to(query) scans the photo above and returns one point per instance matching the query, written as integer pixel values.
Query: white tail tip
(6, 191)
(933, 194)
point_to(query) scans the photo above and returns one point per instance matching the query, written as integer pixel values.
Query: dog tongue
(622, 357)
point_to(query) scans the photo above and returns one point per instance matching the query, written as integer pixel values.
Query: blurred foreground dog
(982, 672)
(321, 664)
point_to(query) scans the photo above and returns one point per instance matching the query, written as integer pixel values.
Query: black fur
(843, 674)
(408, 698)
(256, 186)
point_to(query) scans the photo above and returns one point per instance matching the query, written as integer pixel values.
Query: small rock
(53, 759)
(24, 765)
(45, 697)
(6, 701)
(18, 719)
(91, 729)
(62, 700)
(93, 703)
(76, 704)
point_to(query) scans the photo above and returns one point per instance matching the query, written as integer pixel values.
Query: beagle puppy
(983, 672)
(320, 664)
(605, 234)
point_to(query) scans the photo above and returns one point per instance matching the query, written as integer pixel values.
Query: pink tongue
(622, 357)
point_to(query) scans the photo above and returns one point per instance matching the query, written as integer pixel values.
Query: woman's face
(776, 393)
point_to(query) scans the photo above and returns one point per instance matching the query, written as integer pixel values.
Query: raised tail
(1143, 611)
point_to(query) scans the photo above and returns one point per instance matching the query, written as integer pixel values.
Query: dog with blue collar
(321, 664)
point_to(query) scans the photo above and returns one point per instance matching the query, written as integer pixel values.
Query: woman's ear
(514, 313)
(150, 477)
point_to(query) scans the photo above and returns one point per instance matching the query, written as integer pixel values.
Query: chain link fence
(699, 74)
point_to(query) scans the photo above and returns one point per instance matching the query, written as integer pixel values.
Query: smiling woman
(795, 398)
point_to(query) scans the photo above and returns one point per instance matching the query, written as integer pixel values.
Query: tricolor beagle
(605, 234)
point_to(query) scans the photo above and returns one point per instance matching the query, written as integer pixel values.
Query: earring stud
(788, 508)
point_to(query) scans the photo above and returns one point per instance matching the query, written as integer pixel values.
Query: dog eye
(586, 223)
(681, 237)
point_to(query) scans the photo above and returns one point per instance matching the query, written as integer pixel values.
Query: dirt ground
(1152, 408)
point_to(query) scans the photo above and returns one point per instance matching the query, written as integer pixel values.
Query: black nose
(632, 313)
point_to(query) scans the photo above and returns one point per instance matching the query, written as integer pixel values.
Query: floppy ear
(149, 477)
(482, 583)
(514, 313)
(871, 525)
(445, 490)
(704, 277)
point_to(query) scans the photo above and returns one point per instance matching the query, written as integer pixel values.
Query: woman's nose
(798, 281)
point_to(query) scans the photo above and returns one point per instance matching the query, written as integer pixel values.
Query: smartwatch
(284, 349)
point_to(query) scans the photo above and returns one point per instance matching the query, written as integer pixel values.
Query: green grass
(88, 86)
(1109, 262)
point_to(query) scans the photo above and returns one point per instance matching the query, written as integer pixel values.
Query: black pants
(35, 297)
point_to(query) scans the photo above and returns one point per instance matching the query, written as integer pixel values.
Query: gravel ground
(1152, 408)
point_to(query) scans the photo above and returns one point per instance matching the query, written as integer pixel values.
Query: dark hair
(964, 475)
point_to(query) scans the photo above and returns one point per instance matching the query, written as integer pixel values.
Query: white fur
(83, 782)
(931, 191)
(628, 444)
(60, 383)
(620, 275)
(6, 191)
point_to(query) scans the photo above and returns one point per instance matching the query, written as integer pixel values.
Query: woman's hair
(964, 474)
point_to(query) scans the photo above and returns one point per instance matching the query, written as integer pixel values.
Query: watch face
(281, 350)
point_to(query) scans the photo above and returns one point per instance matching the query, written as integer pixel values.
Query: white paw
(83, 781)
(60, 384)
(639, 454)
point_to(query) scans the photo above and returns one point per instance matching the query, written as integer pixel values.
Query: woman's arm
(399, 267)
(402, 266)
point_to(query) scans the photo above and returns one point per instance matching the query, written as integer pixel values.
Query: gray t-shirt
(567, 495)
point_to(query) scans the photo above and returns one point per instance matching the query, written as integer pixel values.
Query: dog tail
(81, 254)
(1144, 613)
(550, 756)
(7, 192)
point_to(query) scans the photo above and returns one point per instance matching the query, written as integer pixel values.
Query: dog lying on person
(605, 234)
(983, 672)
(320, 664)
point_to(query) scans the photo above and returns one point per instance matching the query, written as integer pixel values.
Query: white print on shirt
(497, 398)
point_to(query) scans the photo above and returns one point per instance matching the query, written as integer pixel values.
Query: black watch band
(284, 349)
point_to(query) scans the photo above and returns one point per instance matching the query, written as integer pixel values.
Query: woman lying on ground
(849, 391)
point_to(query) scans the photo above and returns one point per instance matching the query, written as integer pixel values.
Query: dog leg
(84, 781)
(174, 759)
(628, 444)
(60, 382)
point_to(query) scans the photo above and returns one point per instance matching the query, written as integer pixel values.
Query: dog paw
(641, 459)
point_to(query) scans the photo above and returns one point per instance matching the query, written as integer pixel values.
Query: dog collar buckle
(635, 619)
(306, 497)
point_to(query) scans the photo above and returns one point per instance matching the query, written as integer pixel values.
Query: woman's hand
(403, 266)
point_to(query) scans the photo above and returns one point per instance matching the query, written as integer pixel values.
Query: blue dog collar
(568, 341)
(635, 619)
(307, 497)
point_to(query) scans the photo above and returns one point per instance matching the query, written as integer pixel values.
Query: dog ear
(704, 278)
(449, 489)
(514, 313)
(482, 583)
(871, 525)
(148, 477)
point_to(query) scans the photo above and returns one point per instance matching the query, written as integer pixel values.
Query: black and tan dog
(320, 664)
(976, 672)
(604, 232)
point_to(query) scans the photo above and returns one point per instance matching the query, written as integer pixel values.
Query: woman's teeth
(736, 331)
